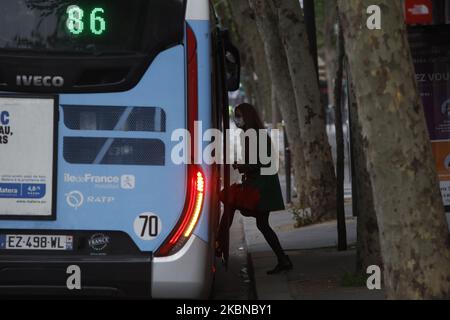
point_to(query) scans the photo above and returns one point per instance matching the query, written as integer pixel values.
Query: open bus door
(229, 66)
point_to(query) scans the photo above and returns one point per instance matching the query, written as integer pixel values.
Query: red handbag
(242, 197)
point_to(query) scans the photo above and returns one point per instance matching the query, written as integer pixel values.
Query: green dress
(268, 185)
(269, 190)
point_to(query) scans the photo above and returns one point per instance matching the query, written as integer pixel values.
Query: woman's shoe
(283, 265)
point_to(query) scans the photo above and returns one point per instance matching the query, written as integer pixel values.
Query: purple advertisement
(430, 46)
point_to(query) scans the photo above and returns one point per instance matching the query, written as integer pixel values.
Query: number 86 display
(75, 22)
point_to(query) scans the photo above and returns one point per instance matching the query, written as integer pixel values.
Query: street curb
(264, 281)
(253, 293)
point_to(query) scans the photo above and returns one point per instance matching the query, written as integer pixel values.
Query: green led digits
(98, 24)
(75, 22)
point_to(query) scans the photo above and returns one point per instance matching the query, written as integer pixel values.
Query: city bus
(91, 203)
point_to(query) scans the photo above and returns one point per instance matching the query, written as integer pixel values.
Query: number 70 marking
(147, 226)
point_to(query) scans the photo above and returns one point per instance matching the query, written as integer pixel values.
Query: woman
(257, 196)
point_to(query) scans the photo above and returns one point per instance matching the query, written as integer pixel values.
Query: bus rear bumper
(185, 275)
(118, 276)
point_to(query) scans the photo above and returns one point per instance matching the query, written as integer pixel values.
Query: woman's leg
(262, 222)
(226, 221)
(284, 263)
(223, 233)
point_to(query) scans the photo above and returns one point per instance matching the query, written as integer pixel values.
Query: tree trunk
(248, 85)
(414, 236)
(340, 146)
(368, 244)
(250, 44)
(276, 115)
(330, 46)
(316, 149)
(278, 67)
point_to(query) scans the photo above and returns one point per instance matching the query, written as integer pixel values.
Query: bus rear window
(146, 119)
(86, 26)
(114, 151)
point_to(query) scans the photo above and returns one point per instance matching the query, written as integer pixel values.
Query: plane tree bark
(302, 70)
(329, 50)
(250, 44)
(266, 22)
(414, 236)
(368, 239)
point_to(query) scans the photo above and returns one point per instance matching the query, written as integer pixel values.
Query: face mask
(239, 121)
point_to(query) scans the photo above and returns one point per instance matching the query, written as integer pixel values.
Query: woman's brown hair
(250, 115)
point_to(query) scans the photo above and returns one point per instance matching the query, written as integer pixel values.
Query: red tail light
(195, 193)
(191, 213)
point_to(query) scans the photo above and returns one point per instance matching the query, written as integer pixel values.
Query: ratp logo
(75, 199)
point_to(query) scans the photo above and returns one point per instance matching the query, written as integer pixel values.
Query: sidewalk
(319, 269)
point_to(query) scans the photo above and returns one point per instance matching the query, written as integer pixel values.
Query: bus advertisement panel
(27, 133)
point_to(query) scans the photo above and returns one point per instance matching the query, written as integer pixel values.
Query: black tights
(262, 222)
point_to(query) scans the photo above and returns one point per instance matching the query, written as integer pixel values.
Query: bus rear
(91, 202)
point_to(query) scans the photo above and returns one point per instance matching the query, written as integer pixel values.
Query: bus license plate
(36, 242)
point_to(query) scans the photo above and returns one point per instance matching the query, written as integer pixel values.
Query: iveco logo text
(39, 81)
